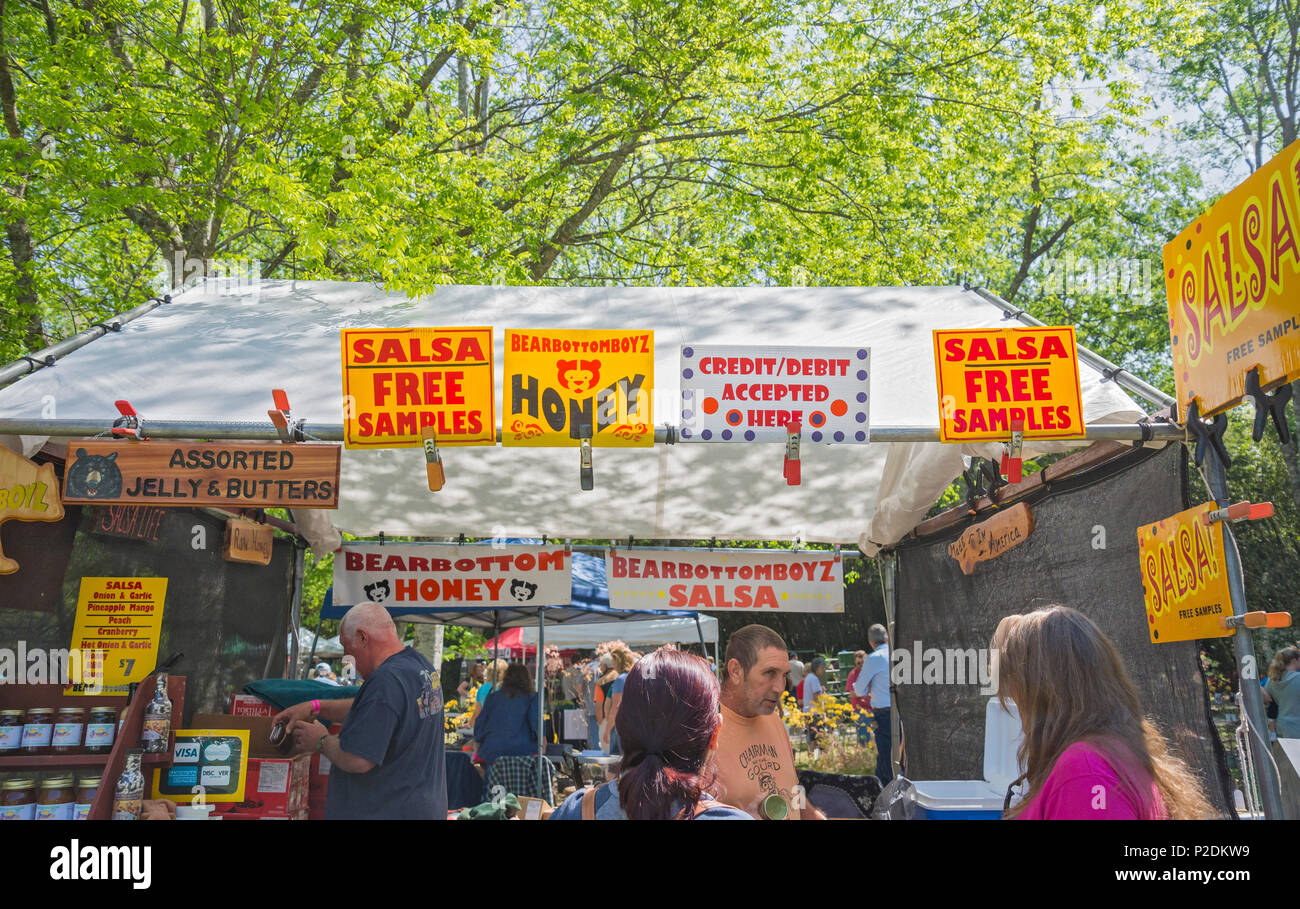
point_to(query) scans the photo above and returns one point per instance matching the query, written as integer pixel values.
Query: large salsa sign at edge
(1234, 292)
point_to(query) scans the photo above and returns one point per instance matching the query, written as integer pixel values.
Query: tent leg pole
(700, 631)
(1243, 647)
(541, 698)
(891, 617)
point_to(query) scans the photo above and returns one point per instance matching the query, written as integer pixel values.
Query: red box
(274, 788)
(250, 705)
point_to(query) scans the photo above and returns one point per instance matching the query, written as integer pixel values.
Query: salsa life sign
(761, 581)
(749, 394)
(411, 574)
(1232, 279)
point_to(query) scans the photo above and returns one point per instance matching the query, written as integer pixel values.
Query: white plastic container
(953, 800)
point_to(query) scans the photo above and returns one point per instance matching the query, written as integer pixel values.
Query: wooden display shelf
(13, 697)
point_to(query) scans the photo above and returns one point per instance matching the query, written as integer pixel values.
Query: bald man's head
(367, 633)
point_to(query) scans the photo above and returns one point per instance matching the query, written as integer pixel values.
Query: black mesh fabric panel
(1062, 562)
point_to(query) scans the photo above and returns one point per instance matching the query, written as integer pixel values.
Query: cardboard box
(277, 785)
(531, 809)
(250, 705)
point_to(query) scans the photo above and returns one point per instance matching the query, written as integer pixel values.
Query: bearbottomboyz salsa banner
(806, 581)
(397, 574)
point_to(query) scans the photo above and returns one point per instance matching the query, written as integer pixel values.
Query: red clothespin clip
(280, 416)
(1240, 511)
(130, 425)
(790, 469)
(432, 460)
(1011, 460)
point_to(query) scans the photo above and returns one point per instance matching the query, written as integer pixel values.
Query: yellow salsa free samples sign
(396, 381)
(556, 382)
(1184, 577)
(1233, 288)
(989, 378)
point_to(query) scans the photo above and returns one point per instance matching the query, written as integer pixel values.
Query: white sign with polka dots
(749, 394)
(758, 581)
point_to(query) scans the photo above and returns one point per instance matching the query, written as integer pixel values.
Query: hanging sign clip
(130, 425)
(1011, 460)
(791, 467)
(1269, 404)
(1240, 511)
(432, 459)
(1257, 620)
(1213, 434)
(288, 431)
(585, 469)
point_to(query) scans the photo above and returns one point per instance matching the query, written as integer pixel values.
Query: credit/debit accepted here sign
(989, 378)
(748, 394)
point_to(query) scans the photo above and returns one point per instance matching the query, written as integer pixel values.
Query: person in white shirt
(873, 682)
(796, 673)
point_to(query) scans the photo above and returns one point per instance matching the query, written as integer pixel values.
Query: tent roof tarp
(217, 350)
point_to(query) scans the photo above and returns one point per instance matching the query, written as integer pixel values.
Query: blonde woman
(1283, 689)
(1089, 751)
(604, 696)
(624, 660)
(492, 677)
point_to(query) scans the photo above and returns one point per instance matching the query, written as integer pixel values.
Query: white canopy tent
(216, 351)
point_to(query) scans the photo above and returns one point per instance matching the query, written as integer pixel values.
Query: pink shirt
(1084, 785)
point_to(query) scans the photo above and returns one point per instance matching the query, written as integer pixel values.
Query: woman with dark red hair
(668, 722)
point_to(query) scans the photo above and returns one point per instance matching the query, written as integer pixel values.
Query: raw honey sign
(557, 382)
(749, 394)
(989, 378)
(28, 492)
(120, 619)
(241, 475)
(805, 581)
(396, 381)
(1232, 279)
(1184, 577)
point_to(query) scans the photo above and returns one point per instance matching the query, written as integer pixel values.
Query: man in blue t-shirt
(388, 761)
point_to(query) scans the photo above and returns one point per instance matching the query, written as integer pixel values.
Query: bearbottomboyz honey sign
(805, 581)
(397, 381)
(244, 475)
(562, 384)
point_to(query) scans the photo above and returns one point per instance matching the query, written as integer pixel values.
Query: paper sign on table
(216, 759)
(749, 394)
(120, 620)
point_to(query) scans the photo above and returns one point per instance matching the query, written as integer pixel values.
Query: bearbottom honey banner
(396, 381)
(558, 382)
(1184, 576)
(408, 574)
(989, 378)
(761, 581)
(1233, 289)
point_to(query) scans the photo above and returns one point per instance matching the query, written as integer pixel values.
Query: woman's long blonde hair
(1281, 659)
(1068, 682)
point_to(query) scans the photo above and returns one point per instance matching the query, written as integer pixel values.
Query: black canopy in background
(940, 607)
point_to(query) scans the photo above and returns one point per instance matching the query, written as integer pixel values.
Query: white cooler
(954, 800)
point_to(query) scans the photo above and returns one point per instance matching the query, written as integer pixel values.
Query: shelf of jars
(44, 732)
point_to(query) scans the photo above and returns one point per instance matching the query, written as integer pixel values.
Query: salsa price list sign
(396, 381)
(749, 394)
(120, 618)
(556, 382)
(989, 378)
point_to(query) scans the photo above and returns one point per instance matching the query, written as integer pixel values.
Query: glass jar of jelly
(38, 730)
(84, 797)
(18, 799)
(54, 801)
(101, 730)
(11, 731)
(69, 725)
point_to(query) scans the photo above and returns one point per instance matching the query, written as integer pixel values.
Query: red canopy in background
(512, 645)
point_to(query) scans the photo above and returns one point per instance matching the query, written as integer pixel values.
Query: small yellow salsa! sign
(1185, 577)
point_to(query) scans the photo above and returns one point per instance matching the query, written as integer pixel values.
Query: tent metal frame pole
(541, 698)
(700, 631)
(1243, 646)
(889, 565)
(664, 435)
